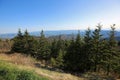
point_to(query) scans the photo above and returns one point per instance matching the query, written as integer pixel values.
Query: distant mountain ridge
(58, 32)
(37, 33)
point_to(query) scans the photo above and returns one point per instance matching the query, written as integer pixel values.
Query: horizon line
(56, 30)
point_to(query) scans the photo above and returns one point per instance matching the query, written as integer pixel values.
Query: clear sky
(35, 15)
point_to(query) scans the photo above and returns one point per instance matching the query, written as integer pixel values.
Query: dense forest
(89, 53)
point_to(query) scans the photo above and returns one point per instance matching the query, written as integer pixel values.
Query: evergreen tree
(19, 35)
(69, 58)
(95, 55)
(59, 59)
(79, 53)
(43, 50)
(29, 42)
(58, 50)
(54, 49)
(87, 50)
(58, 62)
(87, 37)
(113, 59)
(112, 40)
(74, 58)
(18, 42)
(24, 43)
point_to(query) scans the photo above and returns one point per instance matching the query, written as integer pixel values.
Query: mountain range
(105, 33)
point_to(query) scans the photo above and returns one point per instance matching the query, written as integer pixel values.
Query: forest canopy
(90, 52)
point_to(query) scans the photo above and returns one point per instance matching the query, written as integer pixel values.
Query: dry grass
(51, 74)
(18, 59)
(28, 63)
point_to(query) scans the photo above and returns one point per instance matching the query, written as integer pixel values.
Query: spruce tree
(59, 59)
(96, 48)
(26, 42)
(79, 53)
(29, 42)
(113, 59)
(112, 40)
(69, 58)
(74, 58)
(58, 50)
(43, 51)
(87, 50)
(87, 37)
(54, 49)
(18, 43)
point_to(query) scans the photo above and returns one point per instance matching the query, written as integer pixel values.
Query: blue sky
(36, 15)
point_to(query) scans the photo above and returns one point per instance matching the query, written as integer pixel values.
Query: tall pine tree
(87, 50)
(95, 55)
(18, 43)
(43, 50)
(113, 59)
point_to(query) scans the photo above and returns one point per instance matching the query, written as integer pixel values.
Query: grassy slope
(11, 72)
(31, 65)
(27, 63)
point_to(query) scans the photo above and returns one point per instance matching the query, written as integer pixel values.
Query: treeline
(91, 52)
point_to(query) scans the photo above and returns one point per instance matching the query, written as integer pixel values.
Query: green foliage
(113, 57)
(58, 50)
(58, 61)
(9, 72)
(18, 43)
(28, 44)
(24, 43)
(53, 62)
(112, 41)
(54, 49)
(74, 58)
(81, 54)
(96, 47)
(43, 50)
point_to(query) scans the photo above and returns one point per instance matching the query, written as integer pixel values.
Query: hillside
(27, 63)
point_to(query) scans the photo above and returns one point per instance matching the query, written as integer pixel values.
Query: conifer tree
(113, 59)
(28, 43)
(87, 49)
(18, 42)
(54, 49)
(59, 59)
(79, 53)
(58, 50)
(87, 37)
(74, 58)
(69, 58)
(19, 35)
(43, 51)
(23, 43)
(112, 40)
(96, 47)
